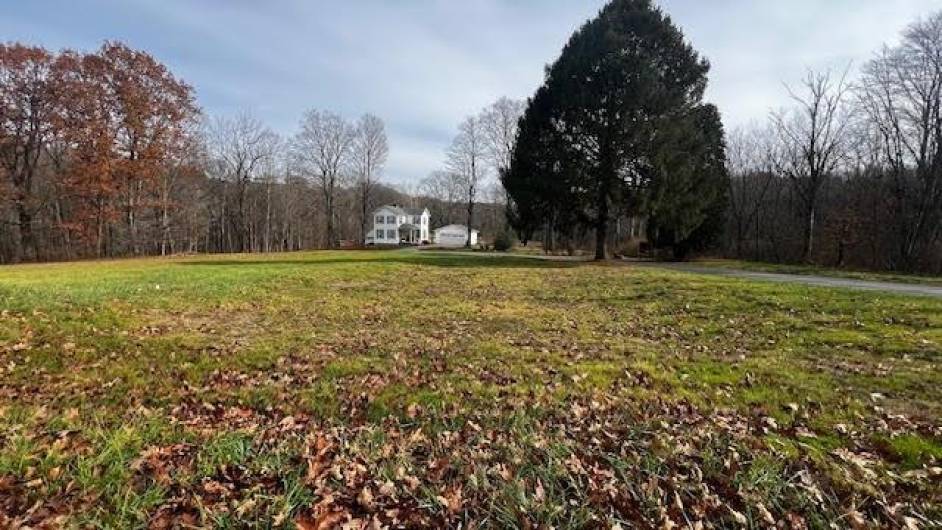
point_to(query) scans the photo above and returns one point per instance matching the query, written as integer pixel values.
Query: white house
(393, 225)
(454, 236)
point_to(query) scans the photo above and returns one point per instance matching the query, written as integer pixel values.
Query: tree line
(618, 138)
(90, 146)
(850, 174)
(107, 154)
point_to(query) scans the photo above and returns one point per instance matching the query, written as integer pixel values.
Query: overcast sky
(422, 65)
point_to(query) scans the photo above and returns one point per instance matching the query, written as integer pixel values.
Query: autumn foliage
(85, 139)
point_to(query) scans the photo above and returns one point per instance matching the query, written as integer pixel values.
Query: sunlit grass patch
(914, 451)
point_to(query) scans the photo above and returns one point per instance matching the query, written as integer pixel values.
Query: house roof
(399, 210)
(461, 228)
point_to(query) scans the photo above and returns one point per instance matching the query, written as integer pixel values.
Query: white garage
(454, 236)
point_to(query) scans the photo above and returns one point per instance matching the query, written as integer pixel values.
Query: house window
(379, 234)
(390, 220)
(391, 234)
(380, 219)
(416, 220)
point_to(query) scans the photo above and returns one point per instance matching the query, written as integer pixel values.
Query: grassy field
(408, 389)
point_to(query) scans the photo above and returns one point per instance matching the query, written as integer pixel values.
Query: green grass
(235, 391)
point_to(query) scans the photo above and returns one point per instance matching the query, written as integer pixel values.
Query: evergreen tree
(539, 180)
(687, 198)
(624, 85)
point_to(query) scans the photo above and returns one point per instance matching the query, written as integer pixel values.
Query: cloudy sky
(423, 65)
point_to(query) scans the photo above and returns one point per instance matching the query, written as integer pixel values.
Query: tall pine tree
(687, 200)
(625, 86)
(539, 181)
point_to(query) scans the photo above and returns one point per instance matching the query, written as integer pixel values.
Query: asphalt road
(911, 289)
(805, 279)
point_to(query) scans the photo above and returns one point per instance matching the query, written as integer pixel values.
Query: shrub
(503, 242)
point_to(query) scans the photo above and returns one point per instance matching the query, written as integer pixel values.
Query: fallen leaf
(856, 520)
(451, 500)
(365, 498)
(738, 517)
(324, 522)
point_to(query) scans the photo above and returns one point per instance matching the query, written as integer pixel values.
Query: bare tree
(370, 151)
(271, 172)
(812, 139)
(323, 150)
(28, 102)
(902, 96)
(466, 158)
(239, 148)
(174, 178)
(749, 155)
(500, 123)
(445, 190)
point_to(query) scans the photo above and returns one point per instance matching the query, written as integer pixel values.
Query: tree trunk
(165, 216)
(66, 236)
(27, 237)
(165, 237)
(329, 206)
(134, 190)
(470, 221)
(100, 234)
(809, 236)
(740, 230)
(601, 225)
(364, 200)
(241, 226)
(268, 216)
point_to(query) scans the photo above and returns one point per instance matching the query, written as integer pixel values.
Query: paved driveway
(912, 289)
(818, 281)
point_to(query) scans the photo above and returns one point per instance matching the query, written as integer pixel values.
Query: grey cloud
(425, 64)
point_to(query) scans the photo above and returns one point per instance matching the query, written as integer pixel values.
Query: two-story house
(393, 225)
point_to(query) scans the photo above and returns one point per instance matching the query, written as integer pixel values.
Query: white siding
(381, 226)
(454, 236)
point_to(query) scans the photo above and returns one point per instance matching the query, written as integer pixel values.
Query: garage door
(452, 239)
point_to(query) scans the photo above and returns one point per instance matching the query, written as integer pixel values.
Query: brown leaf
(737, 516)
(539, 495)
(319, 462)
(387, 489)
(766, 514)
(324, 522)
(452, 501)
(856, 520)
(365, 498)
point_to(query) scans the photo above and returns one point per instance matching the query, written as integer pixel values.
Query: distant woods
(617, 148)
(478, 155)
(93, 149)
(107, 154)
(850, 174)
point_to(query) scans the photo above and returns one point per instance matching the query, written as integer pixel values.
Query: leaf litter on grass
(585, 397)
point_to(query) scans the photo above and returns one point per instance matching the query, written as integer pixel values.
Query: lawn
(407, 389)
